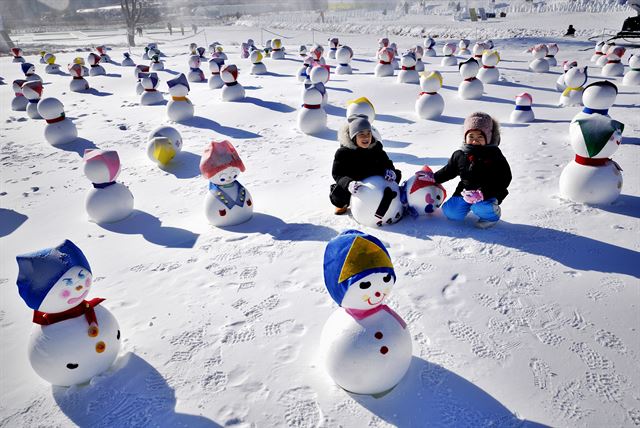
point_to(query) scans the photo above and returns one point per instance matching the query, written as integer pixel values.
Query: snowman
(74, 339)
(408, 73)
(448, 50)
(614, 67)
(632, 77)
(471, 87)
(151, 95)
(232, 90)
(32, 91)
(566, 66)
(463, 47)
(42, 54)
(138, 70)
(257, 66)
(59, 129)
(489, 73)
(195, 73)
(215, 81)
(200, 51)
(522, 112)
(430, 103)
(52, 67)
(78, 83)
(377, 202)
(164, 143)
(94, 63)
(592, 177)
(302, 51)
(108, 201)
(312, 118)
(574, 78)
(156, 64)
(551, 54)
(319, 76)
(421, 194)
(102, 51)
(344, 54)
(19, 102)
(227, 202)
(277, 50)
(417, 49)
(193, 48)
(539, 63)
(394, 61)
(333, 47)
(17, 55)
(429, 43)
(127, 61)
(606, 50)
(365, 346)
(80, 61)
(316, 54)
(29, 71)
(598, 53)
(179, 107)
(384, 67)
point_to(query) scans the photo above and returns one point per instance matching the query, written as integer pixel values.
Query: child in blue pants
(483, 170)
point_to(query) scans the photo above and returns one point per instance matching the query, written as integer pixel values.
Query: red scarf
(429, 93)
(384, 62)
(57, 119)
(312, 106)
(84, 308)
(591, 161)
(408, 68)
(360, 314)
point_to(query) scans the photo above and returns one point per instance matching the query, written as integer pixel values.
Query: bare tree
(132, 10)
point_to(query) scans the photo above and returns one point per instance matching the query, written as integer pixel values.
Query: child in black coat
(360, 156)
(483, 170)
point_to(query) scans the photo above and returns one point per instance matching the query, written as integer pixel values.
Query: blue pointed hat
(26, 66)
(180, 80)
(127, 55)
(351, 256)
(39, 271)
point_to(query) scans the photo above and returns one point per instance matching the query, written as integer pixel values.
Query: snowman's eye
(438, 197)
(81, 275)
(67, 281)
(365, 285)
(72, 366)
(387, 278)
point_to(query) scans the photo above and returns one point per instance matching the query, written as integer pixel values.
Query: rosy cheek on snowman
(68, 291)
(369, 292)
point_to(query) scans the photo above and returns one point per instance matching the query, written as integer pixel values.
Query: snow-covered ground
(534, 321)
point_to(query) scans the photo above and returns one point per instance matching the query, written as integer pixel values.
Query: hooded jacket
(354, 163)
(479, 167)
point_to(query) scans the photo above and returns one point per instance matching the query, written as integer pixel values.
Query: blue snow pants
(457, 209)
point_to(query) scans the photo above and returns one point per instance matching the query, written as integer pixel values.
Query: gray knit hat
(481, 122)
(358, 123)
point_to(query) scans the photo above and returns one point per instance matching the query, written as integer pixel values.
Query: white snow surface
(534, 321)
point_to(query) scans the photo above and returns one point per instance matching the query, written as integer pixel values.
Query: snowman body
(232, 90)
(59, 129)
(343, 55)
(613, 67)
(32, 91)
(195, 74)
(164, 143)
(408, 72)
(471, 87)
(448, 60)
(539, 63)
(179, 108)
(227, 204)
(523, 113)
(377, 202)
(632, 77)
(489, 73)
(312, 117)
(430, 103)
(108, 201)
(384, 68)
(19, 102)
(215, 81)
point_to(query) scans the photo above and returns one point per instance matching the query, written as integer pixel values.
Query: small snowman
(408, 73)
(344, 54)
(522, 112)
(333, 47)
(179, 108)
(478, 49)
(151, 95)
(95, 69)
(430, 103)
(419, 51)
(421, 194)
(80, 61)
(377, 202)
(394, 61)
(164, 143)
(574, 79)
(29, 71)
(632, 77)
(302, 51)
(592, 177)
(384, 67)
(195, 73)
(232, 90)
(449, 60)
(606, 50)
(257, 66)
(52, 67)
(19, 102)
(156, 63)
(17, 55)
(74, 339)
(215, 81)
(614, 67)
(277, 50)
(551, 54)
(108, 201)
(78, 83)
(539, 63)
(102, 51)
(319, 76)
(267, 48)
(193, 48)
(227, 202)
(566, 66)
(463, 47)
(598, 53)
(489, 73)
(33, 92)
(59, 129)
(471, 87)
(312, 118)
(316, 54)
(127, 61)
(365, 346)
(429, 43)
(42, 54)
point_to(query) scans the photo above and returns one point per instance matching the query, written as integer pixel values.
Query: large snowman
(592, 177)
(227, 202)
(74, 339)
(365, 346)
(377, 202)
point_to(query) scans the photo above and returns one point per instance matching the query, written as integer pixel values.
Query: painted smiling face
(226, 176)
(68, 291)
(369, 292)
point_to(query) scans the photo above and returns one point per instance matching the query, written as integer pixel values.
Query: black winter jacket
(479, 167)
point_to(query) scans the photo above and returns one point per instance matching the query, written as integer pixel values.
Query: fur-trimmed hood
(345, 141)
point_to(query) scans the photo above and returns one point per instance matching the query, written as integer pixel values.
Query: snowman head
(256, 56)
(449, 49)
(101, 166)
(490, 58)
(431, 82)
(28, 68)
(220, 163)
(408, 59)
(344, 54)
(539, 51)
(469, 68)
(575, 77)
(424, 195)
(319, 73)
(428, 43)
(419, 51)
(54, 279)
(358, 272)
(178, 87)
(194, 61)
(599, 95)
(362, 106)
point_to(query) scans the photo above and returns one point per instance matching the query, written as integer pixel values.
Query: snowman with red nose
(366, 347)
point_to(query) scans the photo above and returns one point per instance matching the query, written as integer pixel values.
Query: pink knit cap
(219, 156)
(480, 122)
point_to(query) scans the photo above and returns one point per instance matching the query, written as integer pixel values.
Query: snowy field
(533, 322)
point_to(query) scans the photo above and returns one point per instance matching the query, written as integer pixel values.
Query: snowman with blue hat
(74, 339)
(366, 347)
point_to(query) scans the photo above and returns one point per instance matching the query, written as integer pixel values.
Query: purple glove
(472, 196)
(390, 175)
(354, 186)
